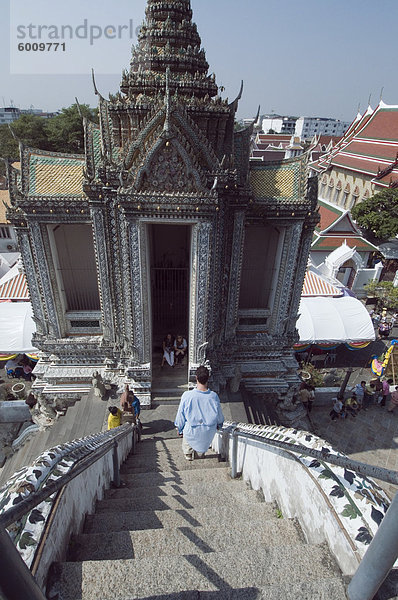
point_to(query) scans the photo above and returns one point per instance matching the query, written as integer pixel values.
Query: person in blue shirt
(198, 417)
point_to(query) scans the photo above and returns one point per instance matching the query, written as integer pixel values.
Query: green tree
(378, 215)
(62, 133)
(385, 292)
(65, 131)
(8, 147)
(30, 129)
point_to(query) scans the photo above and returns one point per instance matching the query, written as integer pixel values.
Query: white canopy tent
(334, 320)
(16, 327)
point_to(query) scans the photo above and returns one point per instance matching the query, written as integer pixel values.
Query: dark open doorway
(170, 258)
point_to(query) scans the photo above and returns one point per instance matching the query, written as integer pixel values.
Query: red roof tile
(383, 125)
(328, 215)
(363, 165)
(373, 149)
(390, 179)
(331, 242)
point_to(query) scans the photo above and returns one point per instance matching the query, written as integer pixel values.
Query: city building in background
(304, 127)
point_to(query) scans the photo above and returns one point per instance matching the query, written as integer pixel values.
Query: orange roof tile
(15, 289)
(314, 285)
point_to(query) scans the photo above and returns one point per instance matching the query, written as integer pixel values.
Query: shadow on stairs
(180, 530)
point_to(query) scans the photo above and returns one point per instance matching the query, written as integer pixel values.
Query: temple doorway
(170, 260)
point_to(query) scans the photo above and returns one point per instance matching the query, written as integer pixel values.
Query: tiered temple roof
(369, 147)
(336, 227)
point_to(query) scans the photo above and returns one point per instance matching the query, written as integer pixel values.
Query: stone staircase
(184, 530)
(85, 417)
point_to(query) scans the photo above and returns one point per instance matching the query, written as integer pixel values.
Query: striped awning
(314, 285)
(14, 289)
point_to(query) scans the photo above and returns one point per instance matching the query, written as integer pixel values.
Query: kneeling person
(198, 417)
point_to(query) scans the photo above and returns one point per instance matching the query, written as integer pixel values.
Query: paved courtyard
(372, 436)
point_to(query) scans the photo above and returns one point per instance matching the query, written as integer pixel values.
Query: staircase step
(175, 502)
(192, 475)
(216, 490)
(226, 572)
(158, 446)
(223, 516)
(145, 464)
(181, 540)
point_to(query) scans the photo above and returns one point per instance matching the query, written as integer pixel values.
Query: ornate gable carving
(169, 170)
(169, 155)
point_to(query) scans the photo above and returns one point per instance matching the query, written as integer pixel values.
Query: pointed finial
(96, 92)
(13, 133)
(370, 97)
(167, 101)
(79, 108)
(381, 93)
(258, 113)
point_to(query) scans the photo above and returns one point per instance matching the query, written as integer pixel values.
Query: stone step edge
(252, 550)
(126, 514)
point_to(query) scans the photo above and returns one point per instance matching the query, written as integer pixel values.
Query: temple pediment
(169, 169)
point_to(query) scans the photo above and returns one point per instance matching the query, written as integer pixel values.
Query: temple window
(5, 232)
(76, 268)
(258, 267)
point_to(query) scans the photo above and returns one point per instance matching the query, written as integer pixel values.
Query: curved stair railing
(347, 490)
(22, 496)
(29, 498)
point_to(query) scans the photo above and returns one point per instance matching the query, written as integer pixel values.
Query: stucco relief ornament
(98, 385)
(168, 173)
(288, 402)
(234, 382)
(43, 413)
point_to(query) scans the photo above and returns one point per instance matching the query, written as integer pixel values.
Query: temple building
(165, 224)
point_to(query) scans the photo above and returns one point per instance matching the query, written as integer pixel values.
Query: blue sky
(313, 57)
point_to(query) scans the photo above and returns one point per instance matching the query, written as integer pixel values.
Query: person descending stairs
(186, 530)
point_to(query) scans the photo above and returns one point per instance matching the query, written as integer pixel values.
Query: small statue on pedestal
(98, 385)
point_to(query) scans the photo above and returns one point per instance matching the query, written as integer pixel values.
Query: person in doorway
(115, 417)
(180, 349)
(168, 350)
(198, 417)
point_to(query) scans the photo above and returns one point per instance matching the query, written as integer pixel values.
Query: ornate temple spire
(168, 40)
